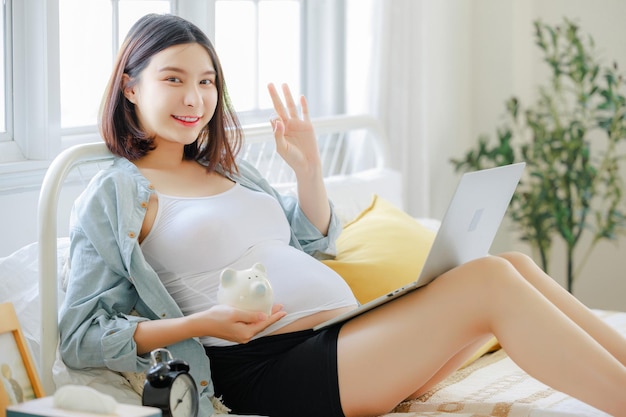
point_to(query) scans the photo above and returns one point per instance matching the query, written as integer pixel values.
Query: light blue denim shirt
(112, 287)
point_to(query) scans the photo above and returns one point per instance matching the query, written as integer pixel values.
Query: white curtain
(387, 79)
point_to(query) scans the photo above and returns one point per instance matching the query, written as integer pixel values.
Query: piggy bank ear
(259, 267)
(228, 276)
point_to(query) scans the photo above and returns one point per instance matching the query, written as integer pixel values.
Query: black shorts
(292, 374)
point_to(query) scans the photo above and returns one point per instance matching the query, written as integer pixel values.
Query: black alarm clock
(169, 386)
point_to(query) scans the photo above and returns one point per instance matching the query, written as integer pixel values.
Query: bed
(377, 252)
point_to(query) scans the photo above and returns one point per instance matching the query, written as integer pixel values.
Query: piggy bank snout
(260, 288)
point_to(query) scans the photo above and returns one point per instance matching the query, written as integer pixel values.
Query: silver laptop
(467, 230)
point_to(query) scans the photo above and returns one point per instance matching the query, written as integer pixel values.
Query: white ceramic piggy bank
(248, 289)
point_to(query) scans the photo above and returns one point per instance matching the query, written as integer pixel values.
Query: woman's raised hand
(296, 143)
(295, 137)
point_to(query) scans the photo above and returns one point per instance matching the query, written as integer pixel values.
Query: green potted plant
(570, 140)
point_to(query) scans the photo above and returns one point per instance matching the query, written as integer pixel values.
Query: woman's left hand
(295, 137)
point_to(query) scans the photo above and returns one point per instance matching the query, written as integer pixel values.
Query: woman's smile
(189, 121)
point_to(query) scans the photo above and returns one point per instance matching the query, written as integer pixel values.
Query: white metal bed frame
(334, 133)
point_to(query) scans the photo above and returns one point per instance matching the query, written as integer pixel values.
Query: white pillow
(19, 284)
(353, 194)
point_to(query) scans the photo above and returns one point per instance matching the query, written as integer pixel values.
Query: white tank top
(194, 238)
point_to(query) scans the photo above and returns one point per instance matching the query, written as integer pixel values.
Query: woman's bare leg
(391, 352)
(606, 335)
(452, 365)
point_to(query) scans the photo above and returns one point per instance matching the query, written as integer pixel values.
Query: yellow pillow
(381, 250)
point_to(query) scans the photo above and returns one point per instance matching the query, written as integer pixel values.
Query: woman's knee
(492, 265)
(517, 259)
(526, 266)
(493, 272)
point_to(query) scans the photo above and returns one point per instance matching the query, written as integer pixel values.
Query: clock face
(183, 397)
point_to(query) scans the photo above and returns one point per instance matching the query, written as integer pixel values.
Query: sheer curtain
(387, 78)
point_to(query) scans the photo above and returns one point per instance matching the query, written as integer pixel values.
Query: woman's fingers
(277, 102)
(291, 105)
(291, 110)
(305, 108)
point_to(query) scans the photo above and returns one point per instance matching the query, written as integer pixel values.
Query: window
(86, 60)
(57, 55)
(258, 41)
(252, 51)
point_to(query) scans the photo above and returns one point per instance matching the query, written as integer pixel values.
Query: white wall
(18, 220)
(18, 217)
(482, 53)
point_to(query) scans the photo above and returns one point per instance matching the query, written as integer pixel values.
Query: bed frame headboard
(348, 144)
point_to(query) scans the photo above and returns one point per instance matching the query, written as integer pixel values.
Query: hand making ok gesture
(295, 137)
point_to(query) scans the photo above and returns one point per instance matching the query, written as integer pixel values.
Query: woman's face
(176, 95)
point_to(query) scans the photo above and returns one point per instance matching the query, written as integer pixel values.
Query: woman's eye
(173, 79)
(206, 82)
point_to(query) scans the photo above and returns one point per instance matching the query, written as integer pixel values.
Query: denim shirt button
(151, 187)
(163, 315)
(204, 383)
(144, 204)
(131, 235)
